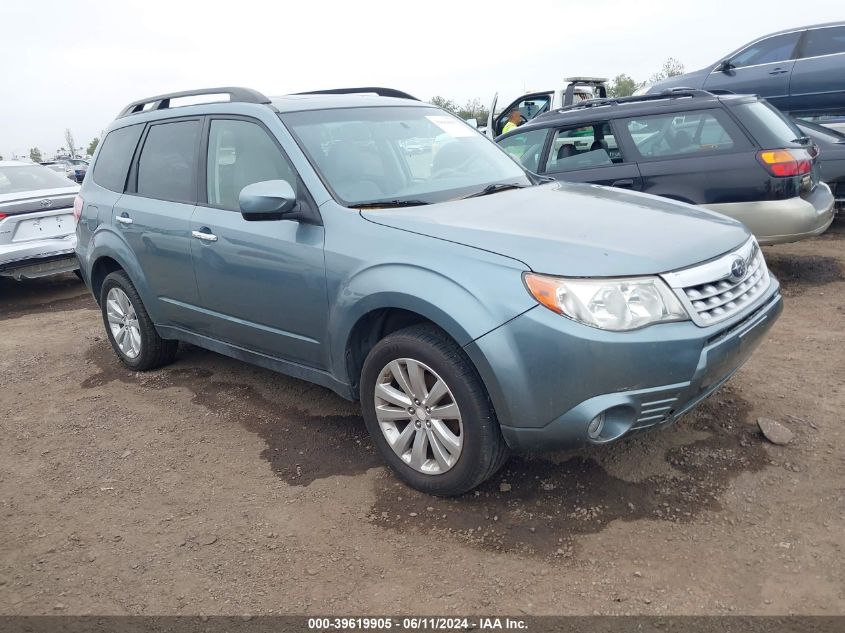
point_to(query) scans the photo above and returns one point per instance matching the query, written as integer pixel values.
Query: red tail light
(78, 202)
(3, 215)
(786, 162)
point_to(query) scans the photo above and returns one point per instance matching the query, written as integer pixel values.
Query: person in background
(513, 122)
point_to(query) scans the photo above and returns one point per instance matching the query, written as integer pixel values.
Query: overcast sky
(75, 63)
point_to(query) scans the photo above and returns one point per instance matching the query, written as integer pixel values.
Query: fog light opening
(596, 426)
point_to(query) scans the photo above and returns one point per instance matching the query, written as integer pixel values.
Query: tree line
(36, 156)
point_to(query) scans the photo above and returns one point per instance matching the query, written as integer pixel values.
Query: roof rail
(673, 93)
(381, 92)
(162, 102)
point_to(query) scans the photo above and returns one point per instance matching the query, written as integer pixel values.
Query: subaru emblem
(738, 269)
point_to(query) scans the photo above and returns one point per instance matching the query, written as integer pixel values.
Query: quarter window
(584, 147)
(680, 134)
(167, 166)
(241, 153)
(777, 48)
(827, 41)
(526, 148)
(115, 156)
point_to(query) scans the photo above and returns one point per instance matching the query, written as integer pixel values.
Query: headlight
(608, 304)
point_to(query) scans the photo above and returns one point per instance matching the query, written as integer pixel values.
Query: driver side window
(241, 153)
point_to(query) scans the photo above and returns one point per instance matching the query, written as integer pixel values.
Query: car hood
(576, 229)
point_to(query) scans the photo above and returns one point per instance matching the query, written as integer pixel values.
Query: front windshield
(394, 154)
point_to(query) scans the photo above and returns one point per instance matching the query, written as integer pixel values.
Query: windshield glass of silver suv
(373, 154)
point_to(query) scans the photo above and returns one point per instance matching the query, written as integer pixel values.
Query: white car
(37, 227)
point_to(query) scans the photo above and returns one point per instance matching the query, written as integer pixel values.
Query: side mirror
(267, 200)
(724, 65)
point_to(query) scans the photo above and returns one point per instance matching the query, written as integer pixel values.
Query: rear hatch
(789, 156)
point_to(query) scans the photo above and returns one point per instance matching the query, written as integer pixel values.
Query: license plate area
(44, 228)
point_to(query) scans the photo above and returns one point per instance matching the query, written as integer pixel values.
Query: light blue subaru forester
(381, 247)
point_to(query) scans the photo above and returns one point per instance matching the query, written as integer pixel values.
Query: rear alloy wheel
(428, 412)
(130, 329)
(123, 322)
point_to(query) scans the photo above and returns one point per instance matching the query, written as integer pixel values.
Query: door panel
(818, 80)
(767, 80)
(155, 215)
(158, 234)
(262, 284)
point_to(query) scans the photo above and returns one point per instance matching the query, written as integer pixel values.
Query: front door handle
(778, 71)
(625, 182)
(124, 218)
(205, 234)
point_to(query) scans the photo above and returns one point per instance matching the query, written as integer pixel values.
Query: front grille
(720, 289)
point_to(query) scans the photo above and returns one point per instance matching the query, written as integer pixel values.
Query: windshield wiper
(389, 204)
(494, 188)
(801, 140)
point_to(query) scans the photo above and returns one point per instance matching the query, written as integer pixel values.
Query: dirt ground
(214, 487)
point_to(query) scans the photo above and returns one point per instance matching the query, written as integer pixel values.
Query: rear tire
(438, 433)
(129, 328)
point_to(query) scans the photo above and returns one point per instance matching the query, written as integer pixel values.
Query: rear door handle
(778, 71)
(625, 182)
(205, 234)
(124, 218)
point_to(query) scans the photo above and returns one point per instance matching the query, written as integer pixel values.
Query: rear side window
(827, 41)
(241, 153)
(526, 148)
(584, 147)
(115, 156)
(777, 48)
(686, 133)
(167, 166)
(768, 126)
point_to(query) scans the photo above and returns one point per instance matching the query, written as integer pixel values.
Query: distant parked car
(831, 146)
(73, 168)
(797, 70)
(37, 228)
(735, 154)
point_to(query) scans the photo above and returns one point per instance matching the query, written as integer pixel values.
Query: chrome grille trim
(712, 293)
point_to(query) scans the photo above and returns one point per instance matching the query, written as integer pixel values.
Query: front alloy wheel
(419, 416)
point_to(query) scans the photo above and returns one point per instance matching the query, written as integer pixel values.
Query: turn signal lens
(784, 162)
(78, 203)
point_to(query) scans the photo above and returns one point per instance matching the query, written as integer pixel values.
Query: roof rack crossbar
(162, 102)
(381, 92)
(673, 93)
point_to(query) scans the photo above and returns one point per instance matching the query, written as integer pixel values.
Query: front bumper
(781, 221)
(549, 376)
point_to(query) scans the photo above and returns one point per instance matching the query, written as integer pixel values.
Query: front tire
(428, 412)
(129, 328)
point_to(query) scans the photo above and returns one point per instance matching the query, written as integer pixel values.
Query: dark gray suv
(468, 307)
